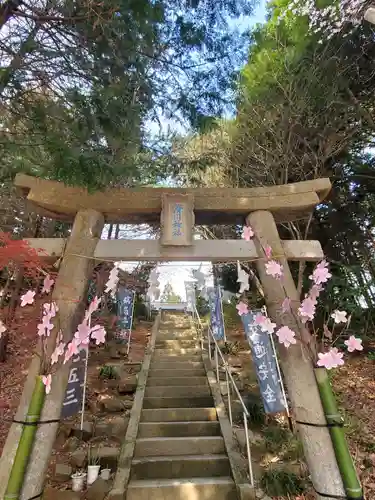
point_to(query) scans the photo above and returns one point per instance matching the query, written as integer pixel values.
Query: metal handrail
(228, 377)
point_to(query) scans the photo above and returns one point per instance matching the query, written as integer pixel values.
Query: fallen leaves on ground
(22, 341)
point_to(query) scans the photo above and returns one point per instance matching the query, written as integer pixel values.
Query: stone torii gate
(177, 211)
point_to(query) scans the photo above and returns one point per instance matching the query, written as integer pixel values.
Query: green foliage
(278, 482)
(279, 440)
(255, 408)
(108, 372)
(93, 455)
(304, 110)
(140, 309)
(231, 317)
(276, 437)
(80, 83)
(201, 305)
(230, 348)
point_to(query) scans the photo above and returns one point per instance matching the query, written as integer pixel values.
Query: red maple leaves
(15, 254)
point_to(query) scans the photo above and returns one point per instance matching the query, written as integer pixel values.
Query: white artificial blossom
(242, 279)
(199, 277)
(113, 279)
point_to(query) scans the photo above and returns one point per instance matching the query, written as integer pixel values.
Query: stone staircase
(179, 452)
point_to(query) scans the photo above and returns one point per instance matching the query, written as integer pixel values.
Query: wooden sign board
(177, 219)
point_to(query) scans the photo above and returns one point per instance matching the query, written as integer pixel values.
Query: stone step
(177, 332)
(176, 359)
(172, 446)
(174, 391)
(177, 338)
(177, 343)
(178, 351)
(182, 402)
(179, 415)
(180, 467)
(178, 429)
(177, 373)
(172, 380)
(222, 488)
(175, 365)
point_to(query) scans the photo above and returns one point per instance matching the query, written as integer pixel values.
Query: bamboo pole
(344, 460)
(25, 444)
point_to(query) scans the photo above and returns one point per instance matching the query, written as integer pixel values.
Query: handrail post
(251, 474)
(229, 397)
(217, 364)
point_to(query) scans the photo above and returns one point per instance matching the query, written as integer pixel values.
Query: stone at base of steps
(222, 488)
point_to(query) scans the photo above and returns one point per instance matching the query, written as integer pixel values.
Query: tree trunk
(70, 296)
(7, 9)
(110, 230)
(297, 365)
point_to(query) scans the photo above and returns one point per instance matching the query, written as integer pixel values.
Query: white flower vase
(78, 481)
(105, 474)
(92, 473)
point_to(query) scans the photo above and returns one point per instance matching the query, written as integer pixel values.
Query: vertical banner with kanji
(216, 313)
(74, 391)
(125, 308)
(190, 296)
(265, 363)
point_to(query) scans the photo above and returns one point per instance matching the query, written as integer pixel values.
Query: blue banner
(125, 306)
(265, 364)
(216, 316)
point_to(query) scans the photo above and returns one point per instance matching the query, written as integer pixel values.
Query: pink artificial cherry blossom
(286, 336)
(339, 316)
(267, 326)
(274, 269)
(41, 330)
(268, 251)
(354, 344)
(330, 359)
(47, 382)
(321, 274)
(285, 306)
(98, 334)
(2, 328)
(314, 292)
(247, 233)
(45, 327)
(27, 298)
(83, 332)
(94, 304)
(242, 308)
(259, 319)
(50, 309)
(71, 350)
(47, 284)
(59, 351)
(307, 309)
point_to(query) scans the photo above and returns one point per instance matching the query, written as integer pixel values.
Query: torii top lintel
(143, 205)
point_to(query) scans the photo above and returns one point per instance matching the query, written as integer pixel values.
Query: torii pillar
(296, 363)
